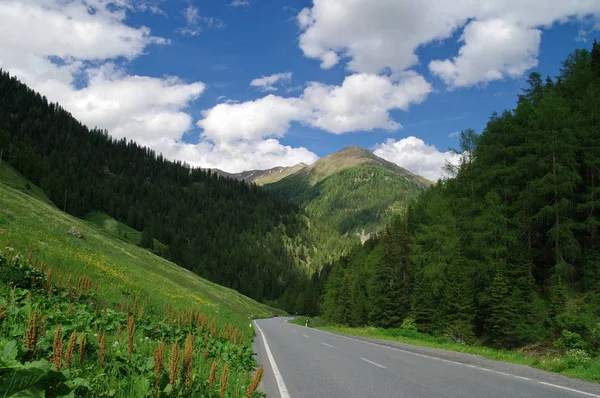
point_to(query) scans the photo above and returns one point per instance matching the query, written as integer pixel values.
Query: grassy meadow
(147, 326)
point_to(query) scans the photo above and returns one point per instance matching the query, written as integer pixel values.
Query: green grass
(111, 226)
(36, 231)
(14, 179)
(569, 365)
(39, 229)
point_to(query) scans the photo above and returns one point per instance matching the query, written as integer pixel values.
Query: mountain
(354, 156)
(352, 190)
(262, 177)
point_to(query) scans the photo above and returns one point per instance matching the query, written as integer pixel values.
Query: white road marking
(569, 389)
(305, 336)
(283, 392)
(373, 363)
(446, 360)
(328, 345)
(293, 330)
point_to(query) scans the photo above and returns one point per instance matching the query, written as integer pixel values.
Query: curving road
(305, 362)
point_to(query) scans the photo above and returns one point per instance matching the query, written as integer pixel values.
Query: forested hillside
(223, 229)
(506, 252)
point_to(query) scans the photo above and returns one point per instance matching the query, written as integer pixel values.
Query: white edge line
(283, 392)
(373, 363)
(569, 389)
(446, 360)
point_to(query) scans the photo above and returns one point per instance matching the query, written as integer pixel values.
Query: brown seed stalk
(70, 349)
(130, 335)
(159, 362)
(102, 351)
(82, 344)
(57, 348)
(258, 376)
(213, 374)
(174, 363)
(187, 370)
(224, 379)
(33, 332)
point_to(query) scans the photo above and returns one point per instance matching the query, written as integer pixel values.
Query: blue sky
(388, 75)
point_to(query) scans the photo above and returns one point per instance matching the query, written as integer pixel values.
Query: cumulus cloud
(415, 155)
(499, 38)
(493, 49)
(362, 102)
(269, 116)
(267, 83)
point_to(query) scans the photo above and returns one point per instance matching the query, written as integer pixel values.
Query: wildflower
(116, 343)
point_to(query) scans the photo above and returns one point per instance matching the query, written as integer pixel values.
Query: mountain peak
(352, 156)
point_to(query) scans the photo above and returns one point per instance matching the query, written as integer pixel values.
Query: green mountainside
(352, 190)
(506, 253)
(121, 311)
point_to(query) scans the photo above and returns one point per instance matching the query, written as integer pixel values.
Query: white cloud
(238, 156)
(267, 83)
(269, 116)
(240, 3)
(196, 22)
(493, 49)
(374, 35)
(71, 51)
(454, 134)
(362, 102)
(415, 155)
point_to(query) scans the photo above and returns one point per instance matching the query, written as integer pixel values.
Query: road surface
(304, 362)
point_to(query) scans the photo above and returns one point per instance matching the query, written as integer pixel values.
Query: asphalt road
(305, 362)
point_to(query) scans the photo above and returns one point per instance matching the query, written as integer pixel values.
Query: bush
(569, 341)
(17, 272)
(409, 324)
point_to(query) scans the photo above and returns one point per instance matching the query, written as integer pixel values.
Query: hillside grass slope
(99, 316)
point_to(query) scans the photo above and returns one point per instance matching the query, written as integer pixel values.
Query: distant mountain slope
(353, 190)
(262, 177)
